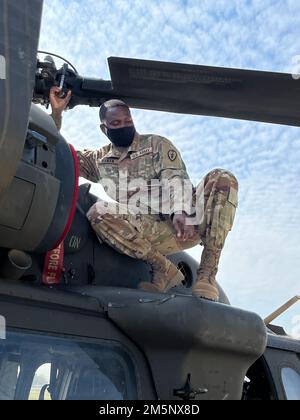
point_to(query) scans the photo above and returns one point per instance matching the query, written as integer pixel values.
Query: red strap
(54, 260)
(75, 196)
(53, 266)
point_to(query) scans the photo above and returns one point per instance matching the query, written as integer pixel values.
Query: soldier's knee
(222, 177)
(99, 210)
(214, 173)
(102, 208)
(231, 179)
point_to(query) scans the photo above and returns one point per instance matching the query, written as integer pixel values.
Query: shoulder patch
(172, 155)
(141, 152)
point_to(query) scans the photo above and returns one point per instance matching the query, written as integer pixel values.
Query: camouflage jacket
(149, 175)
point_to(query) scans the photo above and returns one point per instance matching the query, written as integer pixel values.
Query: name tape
(141, 153)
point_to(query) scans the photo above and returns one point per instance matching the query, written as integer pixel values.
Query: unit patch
(172, 155)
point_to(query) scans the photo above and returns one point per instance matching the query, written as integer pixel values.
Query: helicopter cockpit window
(47, 367)
(40, 383)
(291, 383)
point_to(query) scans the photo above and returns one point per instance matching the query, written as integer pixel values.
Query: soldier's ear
(103, 128)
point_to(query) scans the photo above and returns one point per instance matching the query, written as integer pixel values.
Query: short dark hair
(112, 103)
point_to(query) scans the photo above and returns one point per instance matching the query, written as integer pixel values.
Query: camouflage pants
(137, 234)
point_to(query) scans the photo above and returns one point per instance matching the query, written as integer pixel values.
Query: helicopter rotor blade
(212, 91)
(19, 36)
(281, 310)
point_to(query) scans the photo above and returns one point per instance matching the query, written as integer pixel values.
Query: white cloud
(260, 266)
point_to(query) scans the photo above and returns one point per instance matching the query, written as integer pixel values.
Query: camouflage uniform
(136, 234)
(141, 234)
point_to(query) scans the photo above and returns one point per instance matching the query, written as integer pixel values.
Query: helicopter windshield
(46, 367)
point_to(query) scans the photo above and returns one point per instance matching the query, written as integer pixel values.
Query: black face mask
(121, 137)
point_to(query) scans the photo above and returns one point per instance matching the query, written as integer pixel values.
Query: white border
(2, 67)
(2, 328)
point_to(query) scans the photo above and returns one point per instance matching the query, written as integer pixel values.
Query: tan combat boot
(165, 274)
(206, 285)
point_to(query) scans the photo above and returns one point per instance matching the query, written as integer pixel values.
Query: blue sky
(260, 265)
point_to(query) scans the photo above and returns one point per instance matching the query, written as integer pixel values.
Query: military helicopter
(76, 326)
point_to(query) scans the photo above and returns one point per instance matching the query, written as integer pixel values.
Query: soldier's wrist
(57, 120)
(56, 113)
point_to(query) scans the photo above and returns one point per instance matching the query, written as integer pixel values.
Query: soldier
(141, 229)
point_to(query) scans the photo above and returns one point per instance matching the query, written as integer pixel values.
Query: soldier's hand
(183, 231)
(58, 104)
